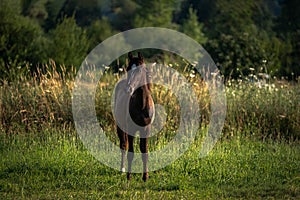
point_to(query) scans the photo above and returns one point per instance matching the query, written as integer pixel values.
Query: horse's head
(137, 73)
(135, 61)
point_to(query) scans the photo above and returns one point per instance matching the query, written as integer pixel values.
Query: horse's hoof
(128, 176)
(123, 170)
(145, 177)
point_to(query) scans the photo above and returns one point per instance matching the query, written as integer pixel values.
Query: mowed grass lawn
(54, 165)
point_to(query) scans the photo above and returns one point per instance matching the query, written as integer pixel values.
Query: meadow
(258, 156)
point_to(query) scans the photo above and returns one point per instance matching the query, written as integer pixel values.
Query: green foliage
(205, 9)
(36, 10)
(289, 31)
(21, 39)
(99, 31)
(232, 16)
(123, 14)
(84, 11)
(237, 43)
(155, 14)
(193, 28)
(69, 43)
(290, 16)
(240, 35)
(236, 54)
(53, 8)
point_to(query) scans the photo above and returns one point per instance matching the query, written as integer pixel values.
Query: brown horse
(133, 96)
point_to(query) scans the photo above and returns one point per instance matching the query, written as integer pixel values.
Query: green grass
(55, 165)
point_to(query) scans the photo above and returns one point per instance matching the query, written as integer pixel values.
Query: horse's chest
(137, 99)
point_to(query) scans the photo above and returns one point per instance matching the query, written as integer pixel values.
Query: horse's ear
(130, 56)
(140, 56)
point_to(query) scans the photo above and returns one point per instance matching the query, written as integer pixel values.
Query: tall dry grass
(36, 101)
(266, 109)
(42, 100)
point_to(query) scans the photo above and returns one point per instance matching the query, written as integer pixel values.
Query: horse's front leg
(123, 137)
(130, 155)
(144, 151)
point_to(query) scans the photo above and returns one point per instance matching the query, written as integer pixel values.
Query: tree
(85, 11)
(155, 14)
(237, 43)
(193, 28)
(99, 31)
(36, 10)
(54, 9)
(289, 30)
(69, 43)
(205, 10)
(21, 39)
(122, 14)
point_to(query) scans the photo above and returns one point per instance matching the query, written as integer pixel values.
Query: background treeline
(241, 36)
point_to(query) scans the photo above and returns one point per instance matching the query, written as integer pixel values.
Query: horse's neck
(146, 78)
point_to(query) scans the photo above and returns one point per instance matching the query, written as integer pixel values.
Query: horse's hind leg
(130, 155)
(144, 151)
(123, 137)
